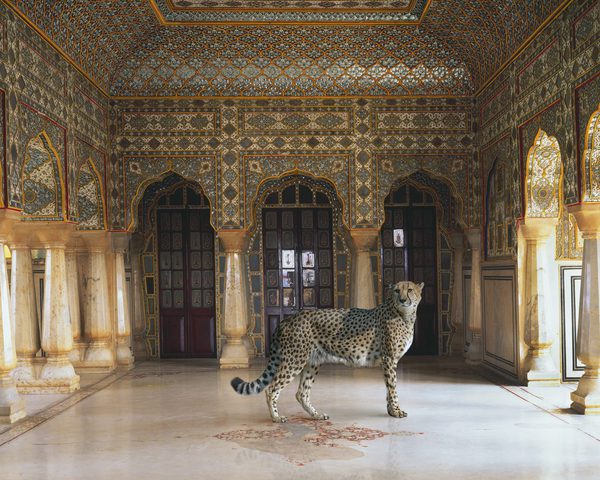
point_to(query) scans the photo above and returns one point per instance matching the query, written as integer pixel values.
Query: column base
(24, 372)
(586, 399)
(98, 358)
(457, 343)
(57, 376)
(540, 370)
(76, 355)
(234, 355)
(474, 354)
(12, 406)
(124, 357)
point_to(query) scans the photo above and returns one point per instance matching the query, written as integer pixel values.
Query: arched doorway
(179, 270)
(299, 238)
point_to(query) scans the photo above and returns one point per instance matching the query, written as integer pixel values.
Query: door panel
(409, 252)
(298, 257)
(186, 264)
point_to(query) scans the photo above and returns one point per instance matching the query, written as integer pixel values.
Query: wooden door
(298, 262)
(187, 272)
(409, 252)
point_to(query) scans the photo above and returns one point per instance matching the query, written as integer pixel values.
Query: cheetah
(353, 337)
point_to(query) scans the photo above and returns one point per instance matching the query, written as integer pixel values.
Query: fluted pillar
(138, 313)
(74, 307)
(539, 368)
(12, 406)
(97, 318)
(475, 350)
(123, 333)
(586, 399)
(457, 345)
(58, 373)
(235, 314)
(363, 292)
(24, 314)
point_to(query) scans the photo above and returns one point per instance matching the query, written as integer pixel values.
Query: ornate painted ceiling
(288, 47)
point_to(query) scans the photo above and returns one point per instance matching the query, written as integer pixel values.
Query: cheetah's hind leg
(285, 374)
(307, 377)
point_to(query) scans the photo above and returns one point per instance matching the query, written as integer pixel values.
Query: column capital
(537, 228)
(474, 237)
(120, 241)
(588, 218)
(457, 240)
(234, 240)
(364, 238)
(95, 240)
(8, 218)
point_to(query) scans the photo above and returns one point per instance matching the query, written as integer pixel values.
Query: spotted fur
(354, 337)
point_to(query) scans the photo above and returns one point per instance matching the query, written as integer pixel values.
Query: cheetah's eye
(410, 290)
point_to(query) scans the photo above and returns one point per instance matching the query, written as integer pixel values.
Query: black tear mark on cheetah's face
(354, 337)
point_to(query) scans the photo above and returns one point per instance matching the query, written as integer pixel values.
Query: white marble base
(540, 369)
(234, 355)
(474, 354)
(124, 356)
(57, 376)
(98, 358)
(12, 406)
(586, 399)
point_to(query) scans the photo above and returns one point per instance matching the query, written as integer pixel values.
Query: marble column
(363, 291)
(586, 399)
(97, 318)
(457, 344)
(24, 314)
(12, 406)
(74, 307)
(58, 373)
(123, 333)
(475, 350)
(539, 368)
(235, 314)
(138, 313)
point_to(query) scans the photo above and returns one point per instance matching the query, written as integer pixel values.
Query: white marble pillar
(539, 368)
(235, 314)
(457, 344)
(475, 350)
(586, 399)
(12, 406)
(97, 318)
(123, 333)
(58, 373)
(363, 291)
(24, 314)
(74, 307)
(138, 314)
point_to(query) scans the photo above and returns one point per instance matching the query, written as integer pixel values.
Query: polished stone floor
(181, 419)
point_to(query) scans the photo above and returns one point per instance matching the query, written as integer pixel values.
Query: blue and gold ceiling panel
(201, 12)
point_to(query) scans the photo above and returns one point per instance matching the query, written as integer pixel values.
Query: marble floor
(181, 419)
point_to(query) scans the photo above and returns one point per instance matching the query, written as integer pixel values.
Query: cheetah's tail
(258, 385)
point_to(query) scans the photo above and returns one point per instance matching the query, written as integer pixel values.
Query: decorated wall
(55, 128)
(553, 86)
(234, 146)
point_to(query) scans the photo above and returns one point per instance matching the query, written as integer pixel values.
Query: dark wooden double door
(298, 262)
(187, 283)
(409, 252)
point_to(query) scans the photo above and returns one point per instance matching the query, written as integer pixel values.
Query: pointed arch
(91, 206)
(42, 180)
(590, 161)
(543, 178)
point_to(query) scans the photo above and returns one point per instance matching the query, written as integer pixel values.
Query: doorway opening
(409, 252)
(186, 268)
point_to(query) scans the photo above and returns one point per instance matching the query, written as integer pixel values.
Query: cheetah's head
(406, 295)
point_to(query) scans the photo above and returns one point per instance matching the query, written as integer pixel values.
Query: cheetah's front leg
(389, 373)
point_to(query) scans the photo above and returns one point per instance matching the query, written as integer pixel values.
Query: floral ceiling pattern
(445, 47)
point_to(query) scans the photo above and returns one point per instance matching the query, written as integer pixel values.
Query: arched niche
(590, 162)
(91, 207)
(543, 177)
(142, 172)
(270, 195)
(43, 188)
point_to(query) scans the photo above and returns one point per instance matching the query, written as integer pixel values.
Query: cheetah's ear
(421, 285)
(390, 286)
